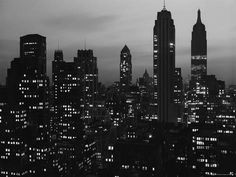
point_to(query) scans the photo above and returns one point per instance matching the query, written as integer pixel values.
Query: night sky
(107, 25)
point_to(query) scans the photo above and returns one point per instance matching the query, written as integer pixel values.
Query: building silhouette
(198, 51)
(164, 64)
(67, 124)
(86, 63)
(125, 69)
(146, 89)
(88, 77)
(79, 127)
(178, 94)
(28, 109)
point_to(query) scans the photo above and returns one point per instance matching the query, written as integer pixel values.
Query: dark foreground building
(164, 65)
(27, 112)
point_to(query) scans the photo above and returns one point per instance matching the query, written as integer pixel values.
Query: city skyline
(107, 25)
(146, 126)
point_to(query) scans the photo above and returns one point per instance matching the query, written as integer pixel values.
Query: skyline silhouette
(143, 124)
(132, 27)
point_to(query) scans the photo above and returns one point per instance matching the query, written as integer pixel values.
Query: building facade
(164, 64)
(125, 69)
(198, 51)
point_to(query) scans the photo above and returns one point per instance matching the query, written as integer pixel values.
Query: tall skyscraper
(163, 64)
(67, 125)
(27, 87)
(88, 75)
(125, 69)
(86, 63)
(198, 51)
(57, 79)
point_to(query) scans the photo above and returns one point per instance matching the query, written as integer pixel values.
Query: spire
(199, 16)
(145, 75)
(164, 6)
(125, 49)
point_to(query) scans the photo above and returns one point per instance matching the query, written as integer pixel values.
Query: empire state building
(198, 51)
(164, 65)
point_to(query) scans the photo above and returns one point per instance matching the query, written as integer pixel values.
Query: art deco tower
(125, 69)
(198, 51)
(163, 64)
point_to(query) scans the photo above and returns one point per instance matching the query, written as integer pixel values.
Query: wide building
(28, 108)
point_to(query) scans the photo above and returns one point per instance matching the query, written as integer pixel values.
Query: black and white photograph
(117, 88)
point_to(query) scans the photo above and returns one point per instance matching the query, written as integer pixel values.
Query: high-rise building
(88, 75)
(113, 105)
(178, 94)
(27, 89)
(164, 64)
(57, 80)
(88, 78)
(33, 46)
(125, 69)
(145, 87)
(67, 125)
(198, 51)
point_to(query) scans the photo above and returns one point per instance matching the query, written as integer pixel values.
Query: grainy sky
(107, 25)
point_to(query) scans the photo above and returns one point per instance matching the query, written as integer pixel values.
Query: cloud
(80, 22)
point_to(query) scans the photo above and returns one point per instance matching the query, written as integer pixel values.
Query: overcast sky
(107, 25)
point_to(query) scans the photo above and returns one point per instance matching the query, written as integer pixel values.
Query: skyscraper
(198, 51)
(86, 64)
(163, 64)
(33, 47)
(67, 126)
(27, 87)
(88, 78)
(125, 69)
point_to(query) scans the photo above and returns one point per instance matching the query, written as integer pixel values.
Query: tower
(67, 93)
(198, 51)
(125, 69)
(27, 89)
(86, 64)
(163, 64)
(88, 72)
(33, 48)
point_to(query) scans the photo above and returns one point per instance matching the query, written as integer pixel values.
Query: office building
(198, 51)
(164, 65)
(125, 69)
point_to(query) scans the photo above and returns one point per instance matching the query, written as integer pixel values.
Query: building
(34, 46)
(164, 65)
(136, 158)
(178, 94)
(88, 75)
(88, 78)
(66, 122)
(125, 69)
(56, 80)
(114, 106)
(146, 89)
(28, 108)
(198, 51)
